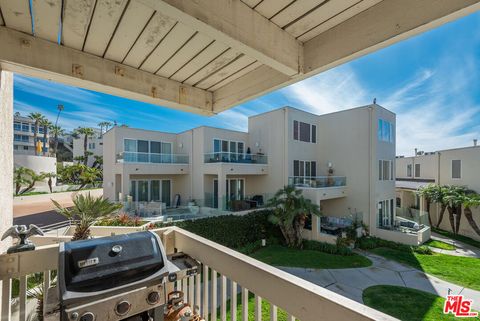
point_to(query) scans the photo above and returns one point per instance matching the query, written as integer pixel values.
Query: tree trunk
(50, 184)
(29, 187)
(442, 211)
(471, 221)
(35, 134)
(428, 213)
(451, 218)
(17, 188)
(85, 151)
(45, 128)
(82, 232)
(55, 145)
(458, 211)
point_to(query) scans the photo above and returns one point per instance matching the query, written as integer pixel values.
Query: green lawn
(440, 245)
(282, 256)
(463, 271)
(406, 304)
(457, 237)
(281, 315)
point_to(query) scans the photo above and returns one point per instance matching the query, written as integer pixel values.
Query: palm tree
(438, 196)
(290, 210)
(428, 193)
(87, 132)
(21, 177)
(471, 200)
(89, 175)
(453, 198)
(107, 125)
(104, 124)
(98, 162)
(49, 176)
(56, 131)
(45, 123)
(33, 179)
(37, 117)
(86, 209)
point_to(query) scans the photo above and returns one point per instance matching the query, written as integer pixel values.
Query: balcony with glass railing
(238, 158)
(317, 181)
(152, 158)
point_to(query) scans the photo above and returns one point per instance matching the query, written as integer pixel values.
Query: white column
(6, 161)
(222, 193)
(6, 155)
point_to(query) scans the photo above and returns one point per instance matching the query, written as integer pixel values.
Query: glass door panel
(142, 190)
(233, 151)
(133, 190)
(166, 192)
(155, 190)
(215, 193)
(166, 153)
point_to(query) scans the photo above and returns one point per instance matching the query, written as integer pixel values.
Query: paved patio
(352, 282)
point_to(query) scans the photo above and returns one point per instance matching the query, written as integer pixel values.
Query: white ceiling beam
(36, 57)
(240, 27)
(382, 25)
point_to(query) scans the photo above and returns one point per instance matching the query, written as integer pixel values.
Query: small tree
(87, 133)
(32, 180)
(45, 123)
(86, 209)
(471, 200)
(98, 162)
(37, 117)
(21, 177)
(89, 175)
(50, 176)
(453, 197)
(290, 210)
(56, 131)
(428, 193)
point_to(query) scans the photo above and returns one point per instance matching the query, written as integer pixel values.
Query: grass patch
(440, 245)
(283, 256)
(406, 304)
(464, 271)
(281, 315)
(457, 237)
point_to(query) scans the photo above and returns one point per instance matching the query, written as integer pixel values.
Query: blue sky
(430, 81)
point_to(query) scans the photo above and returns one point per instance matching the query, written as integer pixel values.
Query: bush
(250, 248)
(327, 248)
(233, 231)
(121, 220)
(422, 249)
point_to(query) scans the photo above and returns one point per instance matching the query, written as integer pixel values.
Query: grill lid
(103, 264)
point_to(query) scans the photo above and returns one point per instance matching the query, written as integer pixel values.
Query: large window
(386, 131)
(304, 168)
(386, 216)
(21, 138)
(417, 170)
(409, 170)
(385, 170)
(304, 132)
(151, 190)
(456, 169)
(17, 126)
(144, 151)
(228, 146)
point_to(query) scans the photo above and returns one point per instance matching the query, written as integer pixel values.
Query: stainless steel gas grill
(122, 277)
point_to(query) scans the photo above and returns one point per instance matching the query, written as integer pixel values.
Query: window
(20, 138)
(385, 131)
(142, 146)
(228, 146)
(17, 126)
(386, 214)
(25, 147)
(456, 168)
(25, 127)
(385, 170)
(417, 170)
(304, 132)
(409, 170)
(15, 147)
(130, 145)
(304, 168)
(91, 145)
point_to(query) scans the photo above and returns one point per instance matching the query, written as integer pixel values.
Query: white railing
(244, 275)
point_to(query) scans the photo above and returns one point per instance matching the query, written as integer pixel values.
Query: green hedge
(370, 243)
(327, 248)
(233, 231)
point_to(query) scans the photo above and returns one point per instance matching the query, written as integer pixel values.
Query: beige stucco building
(343, 161)
(458, 166)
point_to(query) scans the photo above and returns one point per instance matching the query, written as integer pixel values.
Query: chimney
(416, 151)
(475, 142)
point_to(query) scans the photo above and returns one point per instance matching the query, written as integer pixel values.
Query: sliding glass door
(234, 190)
(151, 190)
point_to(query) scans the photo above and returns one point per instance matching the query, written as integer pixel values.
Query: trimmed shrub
(369, 243)
(233, 231)
(327, 248)
(422, 249)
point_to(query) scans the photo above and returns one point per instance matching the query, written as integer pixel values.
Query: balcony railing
(224, 157)
(221, 266)
(134, 157)
(318, 181)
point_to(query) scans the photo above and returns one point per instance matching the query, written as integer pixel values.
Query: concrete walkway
(352, 282)
(462, 248)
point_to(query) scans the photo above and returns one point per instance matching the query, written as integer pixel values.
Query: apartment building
(94, 146)
(342, 161)
(23, 136)
(458, 166)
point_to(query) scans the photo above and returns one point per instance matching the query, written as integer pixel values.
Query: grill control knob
(153, 297)
(122, 307)
(87, 316)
